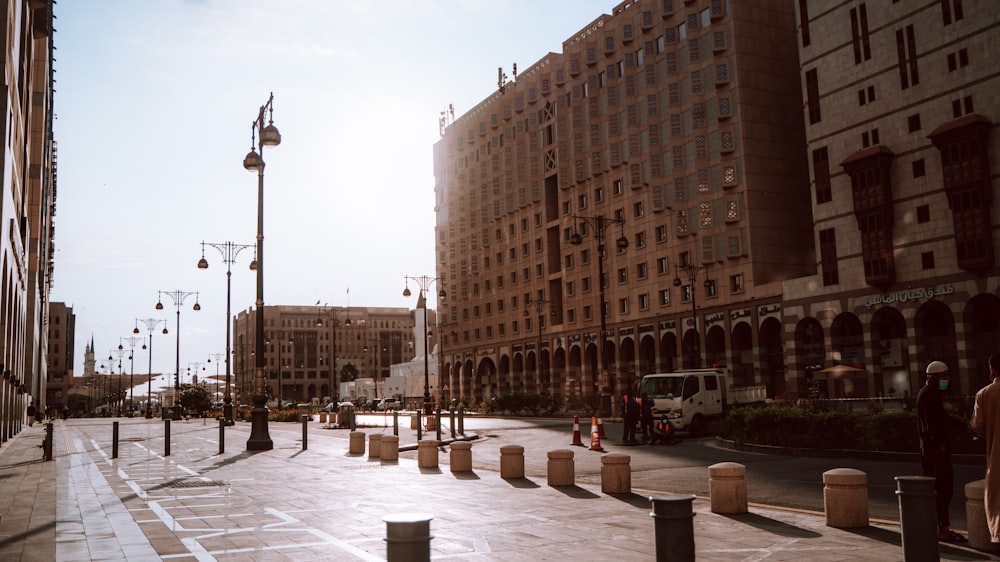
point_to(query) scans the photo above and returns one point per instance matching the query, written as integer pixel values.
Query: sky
(154, 104)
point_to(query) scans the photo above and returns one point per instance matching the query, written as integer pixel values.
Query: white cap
(936, 367)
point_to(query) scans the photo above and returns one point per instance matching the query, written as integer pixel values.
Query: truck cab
(687, 398)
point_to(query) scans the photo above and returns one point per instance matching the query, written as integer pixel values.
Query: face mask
(943, 385)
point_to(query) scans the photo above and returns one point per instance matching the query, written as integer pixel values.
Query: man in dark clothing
(935, 426)
(630, 417)
(646, 416)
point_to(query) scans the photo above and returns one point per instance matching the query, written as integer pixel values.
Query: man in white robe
(986, 424)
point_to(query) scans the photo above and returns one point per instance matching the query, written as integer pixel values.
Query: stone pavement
(326, 504)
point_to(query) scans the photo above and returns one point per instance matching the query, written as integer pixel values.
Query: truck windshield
(660, 387)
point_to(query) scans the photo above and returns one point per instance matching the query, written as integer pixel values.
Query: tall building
(61, 341)
(901, 100)
(627, 206)
(27, 207)
(310, 349)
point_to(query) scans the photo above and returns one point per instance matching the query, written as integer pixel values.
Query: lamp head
(677, 281)
(622, 242)
(203, 263)
(269, 136)
(575, 239)
(406, 292)
(159, 305)
(252, 162)
(196, 306)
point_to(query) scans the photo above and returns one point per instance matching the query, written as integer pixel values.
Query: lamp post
(692, 271)
(260, 439)
(151, 324)
(229, 251)
(424, 282)
(132, 340)
(117, 393)
(177, 297)
(539, 306)
(217, 357)
(600, 223)
(334, 377)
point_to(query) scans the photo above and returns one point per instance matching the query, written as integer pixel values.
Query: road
(778, 480)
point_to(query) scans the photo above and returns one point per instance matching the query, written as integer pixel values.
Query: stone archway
(772, 357)
(890, 355)
(715, 347)
(982, 332)
(668, 352)
(809, 349)
(934, 331)
(647, 356)
(742, 367)
(847, 342)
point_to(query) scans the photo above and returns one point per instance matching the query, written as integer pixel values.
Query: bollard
(561, 470)
(975, 516)
(375, 446)
(408, 537)
(616, 474)
(461, 419)
(222, 435)
(727, 487)
(427, 453)
(420, 433)
(305, 432)
(511, 461)
(47, 450)
(917, 518)
(114, 440)
(389, 448)
(395, 423)
(845, 498)
(673, 521)
(166, 437)
(451, 420)
(461, 456)
(357, 443)
(437, 422)
(322, 417)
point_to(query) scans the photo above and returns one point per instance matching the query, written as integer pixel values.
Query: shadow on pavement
(772, 525)
(635, 500)
(521, 483)
(576, 492)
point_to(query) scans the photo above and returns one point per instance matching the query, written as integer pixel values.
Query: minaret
(89, 364)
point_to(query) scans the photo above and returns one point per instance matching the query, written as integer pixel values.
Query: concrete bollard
(427, 453)
(512, 461)
(389, 448)
(845, 498)
(322, 417)
(375, 445)
(917, 518)
(727, 487)
(561, 469)
(461, 456)
(357, 443)
(673, 517)
(616, 474)
(975, 517)
(408, 537)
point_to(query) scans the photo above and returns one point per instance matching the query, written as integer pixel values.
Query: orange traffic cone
(576, 432)
(595, 436)
(600, 426)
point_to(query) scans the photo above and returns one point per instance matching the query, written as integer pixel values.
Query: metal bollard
(438, 422)
(674, 527)
(47, 450)
(451, 420)
(420, 432)
(166, 437)
(114, 440)
(305, 432)
(222, 435)
(917, 518)
(395, 423)
(461, 419)
(408, 537)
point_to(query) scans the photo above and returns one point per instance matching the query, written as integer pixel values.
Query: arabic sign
(909, 295)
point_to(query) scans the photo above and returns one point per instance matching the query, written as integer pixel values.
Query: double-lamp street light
(600, 223)
(334, 376)
(150, 324)
(177, 297)
(691, 271)
(268, 135)
(229, 251)
(424, 282)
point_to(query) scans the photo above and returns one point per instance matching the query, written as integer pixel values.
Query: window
(640, 239)
(570, 288)
(918, 168)
(618, 189)
(859, 34)
(585, 256)
(599, 194)
(622, 275)
(524, 249)
(623, 306)
(821, 175)
(637, 209)
(906, 53)
(736, 283)
(566, 208)
(513, 253)
(641, 271)
(644, 301)
(812, 96)
(571, 315)
(662, 267)
(587, 314)
(957, 107)
(951, 10)
(581, 202)
(828, 256)
(661, 233)
(958, 60)
(711, 290)
(664, 297)
(804, 21)
(927, 260)
(923, 213)
(913, 122)
(585, 284)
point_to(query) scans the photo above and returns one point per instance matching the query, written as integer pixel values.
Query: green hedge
(806, 428)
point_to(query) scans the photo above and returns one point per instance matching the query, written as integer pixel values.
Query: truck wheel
(697, 425)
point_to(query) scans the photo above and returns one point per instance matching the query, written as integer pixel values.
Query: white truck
(690, 398)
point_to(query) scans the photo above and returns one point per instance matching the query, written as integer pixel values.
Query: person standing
(935, 426)
(31, 414)
(985, 424)
(630, 417)
(646, 416)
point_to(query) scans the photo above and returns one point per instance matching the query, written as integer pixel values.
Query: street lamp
(424, 282)
(177, 297)
(334, 377)
(217, 357)
(229, 251)
(117, 393)
(600, 223)
(132, 340)
(691, 271)
(150, 324)
(539, 306)
(260, 439)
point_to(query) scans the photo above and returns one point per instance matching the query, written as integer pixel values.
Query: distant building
(61, 337)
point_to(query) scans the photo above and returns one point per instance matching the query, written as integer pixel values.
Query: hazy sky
(154, 102)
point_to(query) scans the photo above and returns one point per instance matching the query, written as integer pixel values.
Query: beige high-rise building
(667, 133)
(901, 103)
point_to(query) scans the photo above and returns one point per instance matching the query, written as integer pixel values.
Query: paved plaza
(323, 503)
